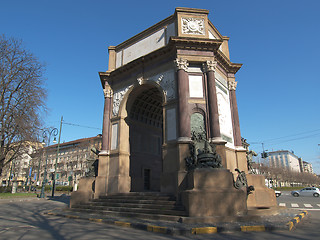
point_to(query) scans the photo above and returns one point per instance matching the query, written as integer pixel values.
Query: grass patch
(289, 188)
(16, 195)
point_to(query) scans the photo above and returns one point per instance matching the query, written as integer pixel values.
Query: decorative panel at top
(192, 25)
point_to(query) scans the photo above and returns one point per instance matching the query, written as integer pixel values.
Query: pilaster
(183, 91)
(235, 115)
(214, 125)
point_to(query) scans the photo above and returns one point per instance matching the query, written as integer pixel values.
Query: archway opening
(145, 120)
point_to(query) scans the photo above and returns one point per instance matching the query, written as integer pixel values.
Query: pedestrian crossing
(300, 205)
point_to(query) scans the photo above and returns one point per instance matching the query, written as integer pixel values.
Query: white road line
(282, 204)
(294, 205)
(309, 209)
(307, 205)
(318, 205)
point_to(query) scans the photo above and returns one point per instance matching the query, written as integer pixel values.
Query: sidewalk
(33, 198)
(286, 220)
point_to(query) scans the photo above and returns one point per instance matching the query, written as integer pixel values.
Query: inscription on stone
(195, 86)
(171, 124)
(114, 136)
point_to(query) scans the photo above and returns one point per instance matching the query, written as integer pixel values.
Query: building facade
(307, 167)
(284, 159)
(19, 168)
(73, 162)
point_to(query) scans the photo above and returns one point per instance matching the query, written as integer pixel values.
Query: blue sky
(277, 42)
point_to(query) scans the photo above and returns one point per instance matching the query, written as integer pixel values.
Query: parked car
(309, 191)
(278, 193)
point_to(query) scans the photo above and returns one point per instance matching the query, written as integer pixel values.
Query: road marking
(318, 205)
(294, 205)
(307, 205)
(282, 204)
(308, 209)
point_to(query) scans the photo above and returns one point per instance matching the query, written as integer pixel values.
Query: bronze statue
(250, 155)
(202, 153)
(241, 182)
(92, 164)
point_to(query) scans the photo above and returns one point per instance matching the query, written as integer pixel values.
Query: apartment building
(73, 162)
(307, 167)
(284, 159)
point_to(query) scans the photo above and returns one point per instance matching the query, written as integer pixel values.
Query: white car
(308, 191)
(278, 193)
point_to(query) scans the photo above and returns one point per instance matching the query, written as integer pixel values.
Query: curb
(291, 224)
(188, 231)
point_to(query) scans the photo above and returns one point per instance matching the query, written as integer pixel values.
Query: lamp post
(55, 165)
(40, 152)
(47, 133)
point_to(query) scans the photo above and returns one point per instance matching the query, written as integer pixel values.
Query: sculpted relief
(165, 79)
(191, 25)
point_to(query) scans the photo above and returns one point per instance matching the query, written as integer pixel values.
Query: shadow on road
(62, 198)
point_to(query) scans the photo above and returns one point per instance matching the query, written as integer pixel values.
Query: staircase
(141, 205)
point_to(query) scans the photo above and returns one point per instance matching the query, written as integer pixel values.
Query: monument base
(211, 193)
(85, 191)
(262, 197)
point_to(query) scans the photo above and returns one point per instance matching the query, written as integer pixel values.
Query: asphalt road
(303, 203)
(26, 220)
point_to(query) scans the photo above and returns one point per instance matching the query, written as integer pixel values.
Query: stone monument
(164, 89)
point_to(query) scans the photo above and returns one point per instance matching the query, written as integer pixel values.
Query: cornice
(216, 30)
(104, 76)
(175, 43)
(195, 43)
(209, 45)
(191, 10)
(226, 64)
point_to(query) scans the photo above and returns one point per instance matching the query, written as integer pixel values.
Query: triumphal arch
(164, 87)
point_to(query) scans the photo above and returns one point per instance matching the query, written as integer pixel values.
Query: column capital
(232, 85)
(140, 80)
(210, 66)
(107, 91)
(181, 64)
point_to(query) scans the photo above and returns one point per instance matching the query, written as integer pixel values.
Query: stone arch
(141, 118)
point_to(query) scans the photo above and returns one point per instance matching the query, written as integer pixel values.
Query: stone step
(159, 217)
(134, 201)
(144, 205)
(167, 206)
(129, 210)
(139, 197)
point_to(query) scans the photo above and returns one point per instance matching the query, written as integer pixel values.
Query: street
(25, 220)
(303, 203)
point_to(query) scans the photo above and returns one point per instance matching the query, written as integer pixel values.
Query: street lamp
(47, 133)
(55, 165)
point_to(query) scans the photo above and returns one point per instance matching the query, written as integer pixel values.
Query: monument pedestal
(211, 193)
(85, 191)
(262, 197)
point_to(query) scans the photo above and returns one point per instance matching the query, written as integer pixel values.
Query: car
(278, 193)
(308, 191)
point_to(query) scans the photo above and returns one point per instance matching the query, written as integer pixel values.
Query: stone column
(101, 181)
(214, 126)
(183, 91)
(235, 115)
(106, 120)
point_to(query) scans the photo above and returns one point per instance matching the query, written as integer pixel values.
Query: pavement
(284, 220)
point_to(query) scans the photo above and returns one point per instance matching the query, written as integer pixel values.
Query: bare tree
(22, 98)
